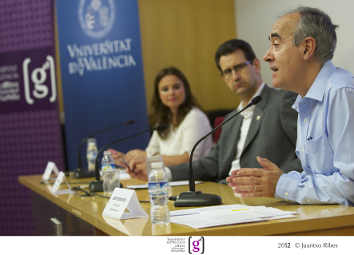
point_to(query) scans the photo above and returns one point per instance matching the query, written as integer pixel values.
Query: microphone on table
(97, 185)
(197, 198)
(80, 171)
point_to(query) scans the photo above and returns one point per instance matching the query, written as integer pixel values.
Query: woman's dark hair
(161, 114)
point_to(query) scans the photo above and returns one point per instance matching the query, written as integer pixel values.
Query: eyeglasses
(227, 73)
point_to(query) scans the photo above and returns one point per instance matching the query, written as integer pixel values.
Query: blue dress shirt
(325, 142)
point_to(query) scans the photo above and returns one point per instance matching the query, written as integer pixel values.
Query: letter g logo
(196, 245)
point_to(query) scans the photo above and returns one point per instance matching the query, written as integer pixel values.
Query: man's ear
(257, 64)
(309, 47)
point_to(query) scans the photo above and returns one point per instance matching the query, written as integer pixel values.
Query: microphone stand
(197, 198)
(97, 185)
(79, 172)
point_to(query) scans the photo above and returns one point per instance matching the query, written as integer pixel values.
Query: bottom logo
(196, 245)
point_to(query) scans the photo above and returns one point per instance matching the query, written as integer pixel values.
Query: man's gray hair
(317, 24)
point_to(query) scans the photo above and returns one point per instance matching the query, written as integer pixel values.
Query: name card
(58, 181)
(123, 204)
(51, 167)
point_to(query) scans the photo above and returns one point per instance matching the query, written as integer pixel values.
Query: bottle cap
(156, 164)
(91, 140)
(91, 146)
(106, 153)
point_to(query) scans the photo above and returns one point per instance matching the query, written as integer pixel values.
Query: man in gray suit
(267, 129)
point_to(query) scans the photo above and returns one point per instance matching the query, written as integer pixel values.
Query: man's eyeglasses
(227, 73)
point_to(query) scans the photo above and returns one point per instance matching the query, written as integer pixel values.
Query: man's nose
(235, 75)
(268, 56)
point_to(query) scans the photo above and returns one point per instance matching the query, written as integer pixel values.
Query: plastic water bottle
(110, 173)
(158, 191)
(91, 154)
(107, 162)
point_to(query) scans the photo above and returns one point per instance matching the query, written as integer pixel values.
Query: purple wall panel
(26, 24)
(30, 133)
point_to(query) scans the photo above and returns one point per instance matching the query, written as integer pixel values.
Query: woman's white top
(182, 139)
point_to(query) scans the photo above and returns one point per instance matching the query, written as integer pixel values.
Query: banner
(102, 72)
(30, 133)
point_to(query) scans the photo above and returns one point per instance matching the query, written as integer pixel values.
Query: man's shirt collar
(319, 86)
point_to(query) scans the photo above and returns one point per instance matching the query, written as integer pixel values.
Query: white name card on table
(123, 204)
(51, 167)
(58, 181)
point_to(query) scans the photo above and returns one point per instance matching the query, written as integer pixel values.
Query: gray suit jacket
(272, 135)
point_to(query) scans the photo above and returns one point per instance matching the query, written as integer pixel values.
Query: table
(310, 219)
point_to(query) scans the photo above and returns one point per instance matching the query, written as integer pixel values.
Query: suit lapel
(237, 130)
(254, 127)
(257, 118)
(232, 140)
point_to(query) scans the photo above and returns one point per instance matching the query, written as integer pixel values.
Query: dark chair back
(215, 118)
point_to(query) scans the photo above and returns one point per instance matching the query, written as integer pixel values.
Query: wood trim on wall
(186, 34)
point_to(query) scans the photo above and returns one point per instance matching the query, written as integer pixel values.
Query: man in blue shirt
(302, 44)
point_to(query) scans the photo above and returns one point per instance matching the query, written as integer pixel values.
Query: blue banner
(102, 72)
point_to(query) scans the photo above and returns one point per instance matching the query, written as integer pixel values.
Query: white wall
(254, 19)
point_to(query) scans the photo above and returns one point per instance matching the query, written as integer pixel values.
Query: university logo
(196, 245)
(96, 17)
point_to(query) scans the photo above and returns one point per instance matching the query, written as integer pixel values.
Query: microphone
(80, 172)
(197, 198)
(97, 186)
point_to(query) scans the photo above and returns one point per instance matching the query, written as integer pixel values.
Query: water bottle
(158, 191)
(109, 173)
(91, 154)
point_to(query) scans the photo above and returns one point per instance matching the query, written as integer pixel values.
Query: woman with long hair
(174, 108)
